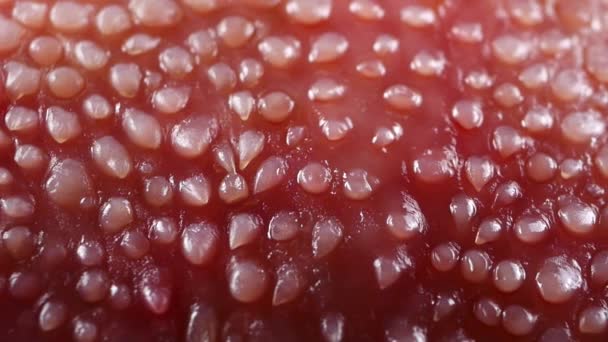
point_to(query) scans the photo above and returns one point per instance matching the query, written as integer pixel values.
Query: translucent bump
(366, 9)
(541, 167)
(479, 171)
(508, 276)
(235, 31)
(11, 35)
(596, 61)
(45, 50)
(233, 188)
(120, 296)
(90, 55)
(445, 256)
(24, 284)
(270, 174)
(467, 32)
(115, 214)
(250, 145)
(373, 68)
(142, 129)
(21, 120)
(507, 141)
(518, 320)
(581, 127)
(247, 280)
(328, 47)
(275, 106)
(17, 207)
(199, 242)
(97, 107)
(90, 253)
(134, 244)
(601, 161)
(70, 16)
(112, 20)
(309, 12)
(314, 178)
(126, 79)
(385, 44)
(283, 226)
(202, 321)
(538, 119)
(444, 306)
(385, 136)
(577, 217)
(487, 311)
(463, 210)
(571, 85)
(69, 185)
(434, 166)
(62, 125)
(222, 77)
(290, 284)
(192, 137)
(326, 89)
(52, 315)
(93, 285)
(402, 97)
(407, 224)
(418, 16)
(526, 12)
(593, 320)
(333, 326)
(243, 229)
(224, 157)
(428, 63)
(139, 44)
(556, 334)
(163, 230)
(155, 13)
(571, 168)
(202, 6)
(295, 135)
(511, 49)
(30, 14)
(531, 228)
(479, 79)
(335, 129)
(242, 103)
(387, 271)
(6, 179)
(203, 45)
(158, 191)
(195, 191)
(400, 329)
(558, 279)
(508, 95)
(599, 269)
(30, 158)
(176, 62)
(170, 100)
(326, 236)
(489, 231)
(250, 72)
(19, 241)
(475, 266)
(156, 298)
(280, 51)
(555, 42)
(359, 184)
(468, 114)
(535, 76)
(21, 80)
(84, 330)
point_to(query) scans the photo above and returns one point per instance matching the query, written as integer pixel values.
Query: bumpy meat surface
(303, 170)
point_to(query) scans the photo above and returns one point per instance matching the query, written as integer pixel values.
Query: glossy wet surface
(297, 170)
